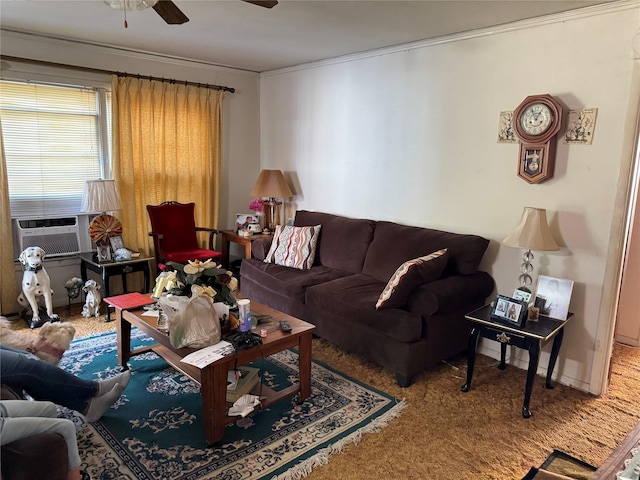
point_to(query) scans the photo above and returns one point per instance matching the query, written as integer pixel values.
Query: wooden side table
(88, 260)
(531, 337)
(229, 236)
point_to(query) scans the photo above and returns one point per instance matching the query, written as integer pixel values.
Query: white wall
(409, 134)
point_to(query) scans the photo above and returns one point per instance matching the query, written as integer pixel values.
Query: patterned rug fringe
(322, 457)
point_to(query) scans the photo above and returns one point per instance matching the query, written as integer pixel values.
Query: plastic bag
(193, 321)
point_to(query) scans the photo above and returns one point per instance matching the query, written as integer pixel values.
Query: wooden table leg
(123, 332)
(225, 251)
(534, 357)
(213, 389)
(471, 357)
(147, 277)
(83, 270)
(106, 280)
(555, 348)
(503, 356)
(304, 365)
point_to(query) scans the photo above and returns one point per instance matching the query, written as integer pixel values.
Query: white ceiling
(241, 35)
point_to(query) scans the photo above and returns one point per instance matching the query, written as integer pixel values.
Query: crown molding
(585, 12)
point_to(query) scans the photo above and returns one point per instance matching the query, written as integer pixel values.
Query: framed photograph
(509, 310)
(243, 221)
(522, 295)
(116, 242)
(104, 253)
(553, 296)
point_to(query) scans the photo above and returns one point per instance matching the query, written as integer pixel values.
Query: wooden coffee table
(213, 378)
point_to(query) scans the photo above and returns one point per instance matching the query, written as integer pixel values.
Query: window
(55, 137)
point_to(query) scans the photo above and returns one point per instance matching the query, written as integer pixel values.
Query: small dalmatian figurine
(92, 304)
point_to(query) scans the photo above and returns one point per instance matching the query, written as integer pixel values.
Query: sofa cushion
(393, 244)
(294, 247)
(343, 241)
(284, 280)
(352, 300)
(410, 275)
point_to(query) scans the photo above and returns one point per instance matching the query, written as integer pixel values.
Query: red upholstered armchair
(174, 234)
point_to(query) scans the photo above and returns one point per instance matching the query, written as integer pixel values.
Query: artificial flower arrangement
(202, 278)
(257, 205)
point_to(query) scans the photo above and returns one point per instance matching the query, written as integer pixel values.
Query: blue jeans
(44, 381)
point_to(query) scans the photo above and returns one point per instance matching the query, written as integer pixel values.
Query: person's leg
(44, 381)
(23, 418)
(100, 404)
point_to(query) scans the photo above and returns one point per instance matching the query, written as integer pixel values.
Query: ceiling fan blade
(170, 13)
(263, 3)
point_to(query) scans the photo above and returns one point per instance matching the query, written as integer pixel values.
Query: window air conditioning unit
(56, 236)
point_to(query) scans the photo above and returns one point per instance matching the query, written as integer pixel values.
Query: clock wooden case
(536, 121)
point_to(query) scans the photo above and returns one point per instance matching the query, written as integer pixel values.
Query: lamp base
(272, 213)
(526, 268)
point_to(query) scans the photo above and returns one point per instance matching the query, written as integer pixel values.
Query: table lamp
(102, 196)
(272, 185)
(531, 232)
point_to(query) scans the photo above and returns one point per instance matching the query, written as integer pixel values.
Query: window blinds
(52, 145)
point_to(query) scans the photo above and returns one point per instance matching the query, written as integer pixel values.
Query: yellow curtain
(8, 284)
(166, 146)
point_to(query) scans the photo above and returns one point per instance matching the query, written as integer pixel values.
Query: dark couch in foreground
(355, 258)
(42, 456)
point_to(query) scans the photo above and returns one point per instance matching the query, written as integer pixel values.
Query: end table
(89, 260)
(532, 337)
(229, 236)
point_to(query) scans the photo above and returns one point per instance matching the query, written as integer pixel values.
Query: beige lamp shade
(101, 196)
(271, 184)
(532, 232)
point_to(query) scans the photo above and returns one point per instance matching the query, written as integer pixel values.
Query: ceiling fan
(168, 10)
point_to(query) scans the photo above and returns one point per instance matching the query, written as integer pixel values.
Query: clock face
(536, 119)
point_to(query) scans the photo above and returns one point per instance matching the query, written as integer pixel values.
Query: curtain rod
(120, 74)
(173, 80)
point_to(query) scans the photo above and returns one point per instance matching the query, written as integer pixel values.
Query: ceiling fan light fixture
(128, 5)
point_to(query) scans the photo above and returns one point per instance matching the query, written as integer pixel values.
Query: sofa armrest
(260, 247)
(8, 393)
(450, 293)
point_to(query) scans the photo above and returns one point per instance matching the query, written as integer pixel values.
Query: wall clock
(536, 122)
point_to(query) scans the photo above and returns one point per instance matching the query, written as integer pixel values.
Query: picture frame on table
(243, 220)
(116, 242)
(104, 253)
(509, 311)
(553, 296)
(523, 295)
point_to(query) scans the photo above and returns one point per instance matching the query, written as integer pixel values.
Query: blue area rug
(155, 431)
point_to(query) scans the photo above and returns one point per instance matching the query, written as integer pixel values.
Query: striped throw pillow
(410, 275)
(294, 247)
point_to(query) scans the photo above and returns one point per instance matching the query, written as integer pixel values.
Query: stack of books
(241, 381)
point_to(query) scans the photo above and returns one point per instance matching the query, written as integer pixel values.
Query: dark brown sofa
(42, 456)
(354, 260)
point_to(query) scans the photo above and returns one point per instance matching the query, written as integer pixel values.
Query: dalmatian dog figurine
(36, 285)
(92, 303)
